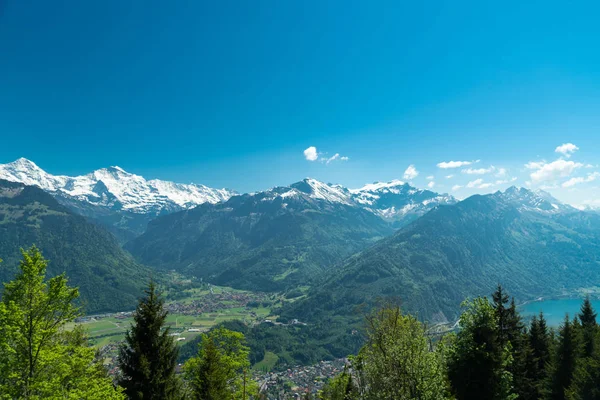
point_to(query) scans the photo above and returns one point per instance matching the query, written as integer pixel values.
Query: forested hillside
(108, 278)
(272, 240)
(464, 250)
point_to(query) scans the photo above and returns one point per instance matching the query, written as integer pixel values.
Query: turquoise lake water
(555, 310)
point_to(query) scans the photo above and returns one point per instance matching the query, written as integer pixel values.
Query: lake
(555, 310)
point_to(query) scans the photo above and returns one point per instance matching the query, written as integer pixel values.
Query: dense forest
(493, 353)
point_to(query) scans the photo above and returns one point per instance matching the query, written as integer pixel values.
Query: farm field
(192, 312)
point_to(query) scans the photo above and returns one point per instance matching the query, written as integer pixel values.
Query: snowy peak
(28, 173)
(115, 188)
(533, 200)
(323, 191)
(379, 186)
(397, 200)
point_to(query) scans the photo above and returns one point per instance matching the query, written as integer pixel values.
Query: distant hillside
(108, 277)
(525, 240)
(270, 240)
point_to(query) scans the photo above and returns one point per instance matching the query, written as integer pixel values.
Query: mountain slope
(108, 277)
(397, 201)
(464, 250)
(271, 240)
(121, 200)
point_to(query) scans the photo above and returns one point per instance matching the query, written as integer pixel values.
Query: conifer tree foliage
(478, 366)
(38, 358)
(220, 370)
(148, 356)
(564, 361)
(512, 332)
(587, 316)
(341, 387)
(539, 355)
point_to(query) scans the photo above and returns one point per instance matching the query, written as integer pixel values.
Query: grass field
(109, 329)
(267, 363)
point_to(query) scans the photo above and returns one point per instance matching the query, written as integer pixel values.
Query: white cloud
(431, 184)
(311, 154)
(456, 187)
(502, 182)
(430, 178)
(449, 176)
(475, 183)
(454, 164)
(501, 173)
(580, 179)
(485, 185)
(552, 171)
(411, 172)
(479, 171)
(336, 156)
(595, 203)
(566, 149)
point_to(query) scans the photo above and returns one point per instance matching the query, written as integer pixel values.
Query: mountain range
(527, 241)
(349, 246)
(125, 202)
(107, 276)
(122, 201)
(271, 240)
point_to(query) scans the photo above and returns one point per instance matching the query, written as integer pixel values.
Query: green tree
(148, 356)
(564, 361)
(397, 361)
(516, 335)
(586, 377)
(477, 364)
(587, 316)
(586, 380)
(220, 370)
(38, 357)
(341, 387)
(512, 331)
(539, 356)
(499, 302)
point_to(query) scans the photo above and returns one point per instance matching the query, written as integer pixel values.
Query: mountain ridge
(108, 278)
(465, 249)
(115, 188)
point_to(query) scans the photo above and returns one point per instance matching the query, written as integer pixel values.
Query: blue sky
(230, 94)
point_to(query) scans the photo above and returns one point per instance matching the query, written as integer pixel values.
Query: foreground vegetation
(492, 355)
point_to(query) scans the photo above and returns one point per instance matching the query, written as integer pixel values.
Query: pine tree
(500, 300)
(339, 388)
(564, 362)
(539, 357)
(512, 333)
(586, 380)
(219, 370)
(587, 316)
(148, 356)
(477, 364)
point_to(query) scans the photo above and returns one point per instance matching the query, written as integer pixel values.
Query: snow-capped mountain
(115, 188)
(397, 200)
(533, 200)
